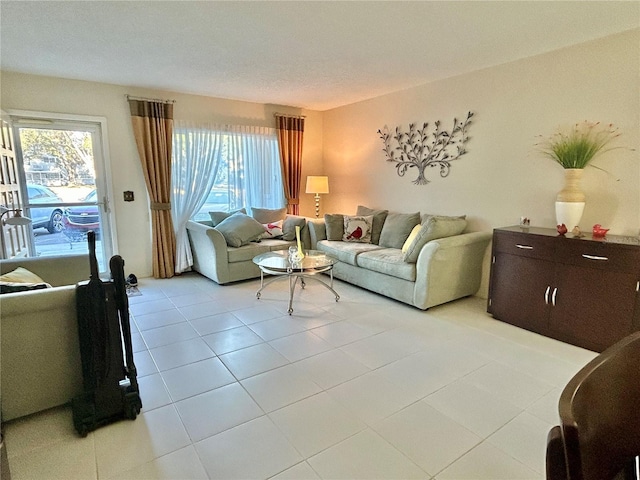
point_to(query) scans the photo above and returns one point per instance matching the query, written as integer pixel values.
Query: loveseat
(223, 247)
(40, 353)
(422, 260)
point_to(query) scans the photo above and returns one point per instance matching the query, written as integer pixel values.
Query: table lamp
(317, 185)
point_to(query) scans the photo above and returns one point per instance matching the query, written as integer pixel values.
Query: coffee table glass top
(279, 261)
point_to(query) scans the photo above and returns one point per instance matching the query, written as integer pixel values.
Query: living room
(502, 178)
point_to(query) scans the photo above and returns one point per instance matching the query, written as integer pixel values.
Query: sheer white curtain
(255, 176)
(197, 151)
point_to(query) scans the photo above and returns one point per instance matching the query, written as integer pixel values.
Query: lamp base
(317, 197)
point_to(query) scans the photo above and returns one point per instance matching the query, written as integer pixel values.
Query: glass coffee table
(279, 265)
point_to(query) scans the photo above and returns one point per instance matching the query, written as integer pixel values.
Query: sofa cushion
(273, 229)
(277, 244)
(267, 215)
(247, 252)
(240, 229)
(357, 228)
(217, 217)
(379, 217)
(434, 228)
(396, 229)
(345, 251)
(388, 261)
(335, 226)
(289, 226)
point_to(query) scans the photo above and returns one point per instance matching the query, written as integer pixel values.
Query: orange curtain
(153, 128)
(290, 133)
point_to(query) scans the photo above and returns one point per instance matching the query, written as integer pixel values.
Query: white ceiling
(315, 55)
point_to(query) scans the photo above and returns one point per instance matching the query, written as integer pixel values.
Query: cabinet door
(519, 291)
(592, 308)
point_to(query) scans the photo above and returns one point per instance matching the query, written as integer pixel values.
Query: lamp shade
(317, 184)
(18, 220)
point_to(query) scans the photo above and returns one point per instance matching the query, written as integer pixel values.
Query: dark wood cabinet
(584, 291)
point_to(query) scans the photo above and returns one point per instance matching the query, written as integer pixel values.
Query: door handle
(524, 247)
(546, 295)
(594, 257)
(553, 296)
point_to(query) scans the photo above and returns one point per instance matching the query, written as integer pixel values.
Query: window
(225, 169)
(246, 172)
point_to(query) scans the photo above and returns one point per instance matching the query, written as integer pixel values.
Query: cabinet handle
(594, 257)
(553, 296)
(546, 295)
(638, 286)
(524, 247)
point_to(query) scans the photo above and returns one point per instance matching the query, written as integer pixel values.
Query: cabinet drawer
(601, 255)
(524, 245)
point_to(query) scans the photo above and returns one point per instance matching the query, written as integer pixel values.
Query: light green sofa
(446, 268)
(39, 349)
(213, 258)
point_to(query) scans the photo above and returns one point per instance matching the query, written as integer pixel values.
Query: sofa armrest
(209, 250)
(317, 231)
(39, 351)
(450, 268)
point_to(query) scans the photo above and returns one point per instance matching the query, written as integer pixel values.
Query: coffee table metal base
(293, 277)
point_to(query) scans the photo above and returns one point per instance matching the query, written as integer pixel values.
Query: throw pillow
(266, 215)
(335, 226)
(436, 227)
(20, 275)
(396, 229)
(20, 280)
(411, 238)
(379, 217)
(357, 229)
(240, 229)
(426, 216)
(217, 217)
(289, 226)
(272, 230)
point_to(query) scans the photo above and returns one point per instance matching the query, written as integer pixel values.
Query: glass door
(64, 186)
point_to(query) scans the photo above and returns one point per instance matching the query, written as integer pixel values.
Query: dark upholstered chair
(599, 433)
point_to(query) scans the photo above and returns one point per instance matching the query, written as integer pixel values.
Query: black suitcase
(110, 384)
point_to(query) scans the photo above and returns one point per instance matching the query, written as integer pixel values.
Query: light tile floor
(233, 387)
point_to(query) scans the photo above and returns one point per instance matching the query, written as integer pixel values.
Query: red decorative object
(562, 229)
(598, 231)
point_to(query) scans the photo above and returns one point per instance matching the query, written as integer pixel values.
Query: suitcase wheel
(132, 406)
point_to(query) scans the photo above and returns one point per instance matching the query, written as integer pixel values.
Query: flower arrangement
(577, 147)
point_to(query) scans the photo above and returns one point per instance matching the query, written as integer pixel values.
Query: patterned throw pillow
(357, 229)
(273, 229)
(379, 216)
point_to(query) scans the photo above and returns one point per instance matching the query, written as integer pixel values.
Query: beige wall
(46, 94)
(502, 177)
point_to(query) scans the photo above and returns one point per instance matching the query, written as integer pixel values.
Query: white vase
(570, 201)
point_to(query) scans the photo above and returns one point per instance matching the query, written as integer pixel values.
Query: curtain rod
(287, 115)
(131, 97)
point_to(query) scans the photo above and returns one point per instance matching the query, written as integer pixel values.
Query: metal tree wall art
(421, 148)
